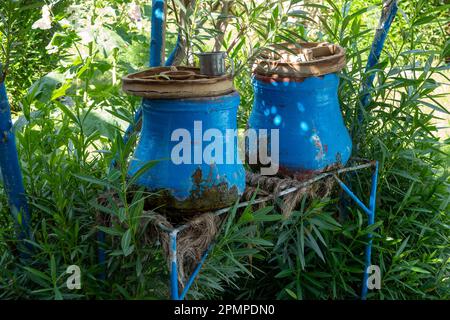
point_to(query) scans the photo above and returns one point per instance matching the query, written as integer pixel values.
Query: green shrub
(73, 116)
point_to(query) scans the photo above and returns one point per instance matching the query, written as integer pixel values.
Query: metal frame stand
(370, 211)
(156, 58)
(371, 217)
(174, 288)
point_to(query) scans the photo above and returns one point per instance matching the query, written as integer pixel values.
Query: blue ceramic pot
(189, 180)
(312, 134)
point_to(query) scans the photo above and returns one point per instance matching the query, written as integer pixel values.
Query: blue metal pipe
(173, 54)
(10, 169)
(373, 192)
(372, 207)
(157, 33)
(371, 220)
(174, 267)
(389, 12)
(353, 196)
(195, 273)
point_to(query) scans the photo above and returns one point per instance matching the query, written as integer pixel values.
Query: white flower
(140, 25)
(134, 12)
(45, 22)
(51, 48)
(106, 15)
(64, 23)
(86, 36)
(104, 39)
(106, 11)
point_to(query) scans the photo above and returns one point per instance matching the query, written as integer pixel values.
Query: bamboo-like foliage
(70, 121)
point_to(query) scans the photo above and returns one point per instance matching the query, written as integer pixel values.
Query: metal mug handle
(226, 56)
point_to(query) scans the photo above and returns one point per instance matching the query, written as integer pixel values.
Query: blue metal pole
(174, 267)
(157, 33)
(195, 273)
(173, 54)
(389, 12)
(371, 220)
(353, 196)
(10, 169)
(372, 207)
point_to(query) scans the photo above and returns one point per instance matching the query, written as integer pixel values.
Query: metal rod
(373, 192)
(10, 170)
(195, 273)
(281, 194)
(389, 12)
(157, 33)
(174, 266)
(372, 208)
(353, 196)
(170, 60)
(300, 186)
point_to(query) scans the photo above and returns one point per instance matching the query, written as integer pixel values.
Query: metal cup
(213, 63)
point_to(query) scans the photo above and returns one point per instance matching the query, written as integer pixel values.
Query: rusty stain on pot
(188, 186)
(207, 194)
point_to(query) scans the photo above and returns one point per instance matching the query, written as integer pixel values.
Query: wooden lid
(300, 60)
(176, 83)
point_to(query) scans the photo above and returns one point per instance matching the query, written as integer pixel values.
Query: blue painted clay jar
(197, 184)
(303, 104)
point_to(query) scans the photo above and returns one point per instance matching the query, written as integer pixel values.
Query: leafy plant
(64, 85)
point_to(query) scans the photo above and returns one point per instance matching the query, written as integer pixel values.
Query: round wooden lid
(300, 60)
(176, 83)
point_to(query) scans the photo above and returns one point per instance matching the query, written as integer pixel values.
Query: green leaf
(419, 270)
(95, 181)
(284, 274)
(110, 231)
(262, 215)
(423, 20)
(125, 243)
(401, 248)
(67, 112)
(38, 274)
(147, 166)
(313, 245)
(291, 293)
